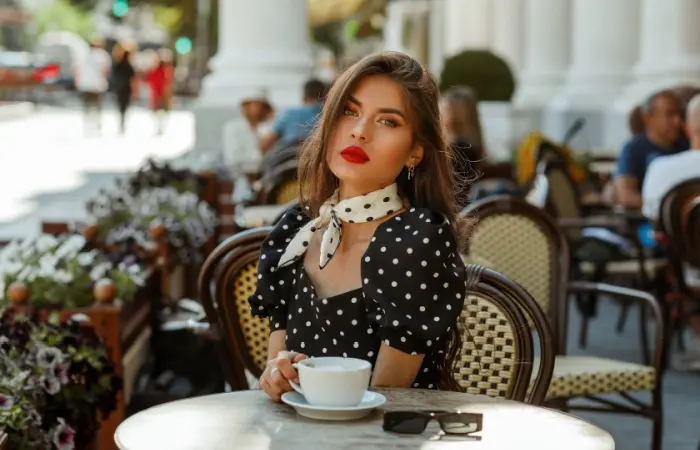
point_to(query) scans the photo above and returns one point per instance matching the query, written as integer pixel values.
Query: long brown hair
(433, 185)
(465, 124)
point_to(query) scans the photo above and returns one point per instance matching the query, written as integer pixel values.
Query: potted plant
(56, 382)
(60, 272)
(180, 218)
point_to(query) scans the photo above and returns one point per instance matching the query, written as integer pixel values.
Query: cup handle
(294, 385)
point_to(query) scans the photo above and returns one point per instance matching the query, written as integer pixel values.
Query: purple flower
(6, 402)
(50, 384)
(47, 357)
(60, 372)
(63, 436)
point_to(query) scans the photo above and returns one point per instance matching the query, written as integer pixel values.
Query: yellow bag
(527, 159)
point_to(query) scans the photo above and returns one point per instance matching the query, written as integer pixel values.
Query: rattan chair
(227, 278)
(280, 186)
(497, 359)
(525, 244)
(640, 271)
(679, 226)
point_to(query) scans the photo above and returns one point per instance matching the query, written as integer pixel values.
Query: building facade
(594, 59)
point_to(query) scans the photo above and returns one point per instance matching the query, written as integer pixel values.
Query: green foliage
(481, 70)
(65, 15)
(55, 377)
(57, 271)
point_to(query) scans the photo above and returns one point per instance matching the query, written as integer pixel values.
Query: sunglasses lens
(459, 424)
(406, 422)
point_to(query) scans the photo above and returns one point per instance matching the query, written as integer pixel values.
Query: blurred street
(49, 166)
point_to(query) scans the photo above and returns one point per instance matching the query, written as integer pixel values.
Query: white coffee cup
(333, 381)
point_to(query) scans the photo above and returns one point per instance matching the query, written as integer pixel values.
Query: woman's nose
(360, 131)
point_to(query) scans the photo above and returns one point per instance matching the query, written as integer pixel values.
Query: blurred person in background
(124, 80)
(241, 142)
(295, 124)
(460, 113)
(160, 83)
(92, 81)
(662, 123)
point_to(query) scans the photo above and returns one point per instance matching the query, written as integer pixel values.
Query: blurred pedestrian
(91, 81)
(160, 83)
(125, 82)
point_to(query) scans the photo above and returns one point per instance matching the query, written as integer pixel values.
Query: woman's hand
(275, 379)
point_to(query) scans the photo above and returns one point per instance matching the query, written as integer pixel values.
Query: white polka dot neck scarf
(361, 209)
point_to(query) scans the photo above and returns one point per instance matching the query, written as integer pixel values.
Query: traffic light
(120, 8)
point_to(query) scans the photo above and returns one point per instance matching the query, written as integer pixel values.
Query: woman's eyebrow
(352, 99)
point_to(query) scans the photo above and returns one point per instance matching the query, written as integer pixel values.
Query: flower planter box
(125, 330)
(173, 278)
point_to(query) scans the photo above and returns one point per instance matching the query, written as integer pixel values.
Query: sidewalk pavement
(15, 110)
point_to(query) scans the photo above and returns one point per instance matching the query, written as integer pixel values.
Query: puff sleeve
(414, 281)
(274, 285)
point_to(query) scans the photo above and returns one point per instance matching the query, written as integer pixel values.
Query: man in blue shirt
(296, 123)
(661, 114)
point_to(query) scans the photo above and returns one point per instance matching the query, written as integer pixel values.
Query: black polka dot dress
(413, 283)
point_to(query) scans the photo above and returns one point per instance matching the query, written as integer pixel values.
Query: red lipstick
(355, 155)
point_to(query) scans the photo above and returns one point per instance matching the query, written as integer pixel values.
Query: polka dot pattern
(401, 303)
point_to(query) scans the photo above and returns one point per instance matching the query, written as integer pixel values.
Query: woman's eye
(389, 123)
(348, 111)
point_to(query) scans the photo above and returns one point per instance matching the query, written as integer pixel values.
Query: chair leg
(644, 334)
(658, 434)
(622, 318)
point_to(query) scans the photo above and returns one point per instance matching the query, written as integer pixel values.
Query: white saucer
(370, 401)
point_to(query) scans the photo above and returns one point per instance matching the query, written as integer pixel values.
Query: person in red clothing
(160, 83)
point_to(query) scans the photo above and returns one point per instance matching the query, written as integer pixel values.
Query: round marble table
(249, 420)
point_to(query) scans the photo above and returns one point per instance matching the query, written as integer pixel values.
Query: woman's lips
(355, 155)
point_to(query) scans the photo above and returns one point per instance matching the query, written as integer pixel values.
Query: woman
(124, 79)
(160, 83)
(368, 266)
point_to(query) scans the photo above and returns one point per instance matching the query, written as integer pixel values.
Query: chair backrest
(227, 277)
(280, 185)
(674, 218)
(692, 226)
(497, 355)
(563, 199)
(523, 243)
(281, 153)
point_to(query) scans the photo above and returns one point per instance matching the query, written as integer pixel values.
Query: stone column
(546, 52)
(467, 25)
(263, 44)
(508, 31)
(669, 55)
(604, 49)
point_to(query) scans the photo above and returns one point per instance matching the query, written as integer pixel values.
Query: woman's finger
(280, 381)
(285, 367)
(300, 357)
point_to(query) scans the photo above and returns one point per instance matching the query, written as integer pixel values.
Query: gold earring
(411, 171)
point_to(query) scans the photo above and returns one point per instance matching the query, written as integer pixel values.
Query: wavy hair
(433, 184)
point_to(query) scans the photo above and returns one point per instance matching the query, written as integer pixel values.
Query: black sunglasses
(415, 422)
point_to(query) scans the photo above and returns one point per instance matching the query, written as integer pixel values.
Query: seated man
(662, 128)
(296, 124)
(664, 174)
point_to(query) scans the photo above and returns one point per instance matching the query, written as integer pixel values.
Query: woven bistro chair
(280, 186)
(227, 278)
(525, 244)
(641, 271)
(497, 357)
(496, 360)
(679, 229)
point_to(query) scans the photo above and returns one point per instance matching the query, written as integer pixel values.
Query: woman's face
(372, 140)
